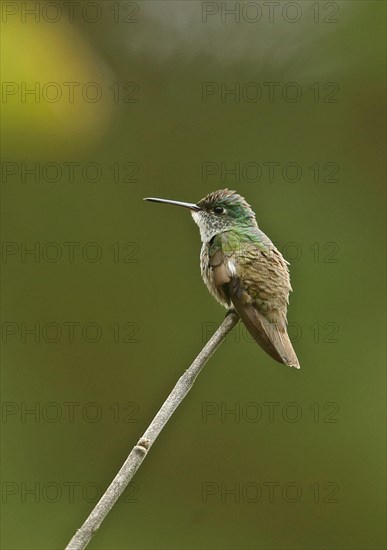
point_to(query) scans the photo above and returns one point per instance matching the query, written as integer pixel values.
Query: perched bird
(243, 270)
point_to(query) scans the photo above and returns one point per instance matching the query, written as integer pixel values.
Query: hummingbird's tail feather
(270, 336)
(281, 341)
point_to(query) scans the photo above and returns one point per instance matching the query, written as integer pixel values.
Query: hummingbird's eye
(218, 210)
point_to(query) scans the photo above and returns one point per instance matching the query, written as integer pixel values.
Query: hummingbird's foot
(231, 310)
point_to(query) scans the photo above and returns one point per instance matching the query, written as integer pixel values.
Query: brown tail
(281, 342)
(268, 335)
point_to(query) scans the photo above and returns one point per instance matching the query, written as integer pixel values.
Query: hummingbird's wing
(272, 337)
(252, 275)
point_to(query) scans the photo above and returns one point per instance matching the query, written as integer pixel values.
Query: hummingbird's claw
(231, 310)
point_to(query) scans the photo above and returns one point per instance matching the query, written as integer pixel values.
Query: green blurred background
(140, 309)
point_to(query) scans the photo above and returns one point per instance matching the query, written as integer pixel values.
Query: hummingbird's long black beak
(189, 205)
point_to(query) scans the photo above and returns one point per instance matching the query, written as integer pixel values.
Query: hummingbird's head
(218, 211)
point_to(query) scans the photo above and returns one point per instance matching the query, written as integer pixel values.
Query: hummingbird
(243, 269)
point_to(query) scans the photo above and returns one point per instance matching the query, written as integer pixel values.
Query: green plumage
(243, 270)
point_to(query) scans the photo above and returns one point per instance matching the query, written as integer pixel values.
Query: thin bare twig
(83, 535)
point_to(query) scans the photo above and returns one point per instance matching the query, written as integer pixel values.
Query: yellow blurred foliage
(54, 88)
